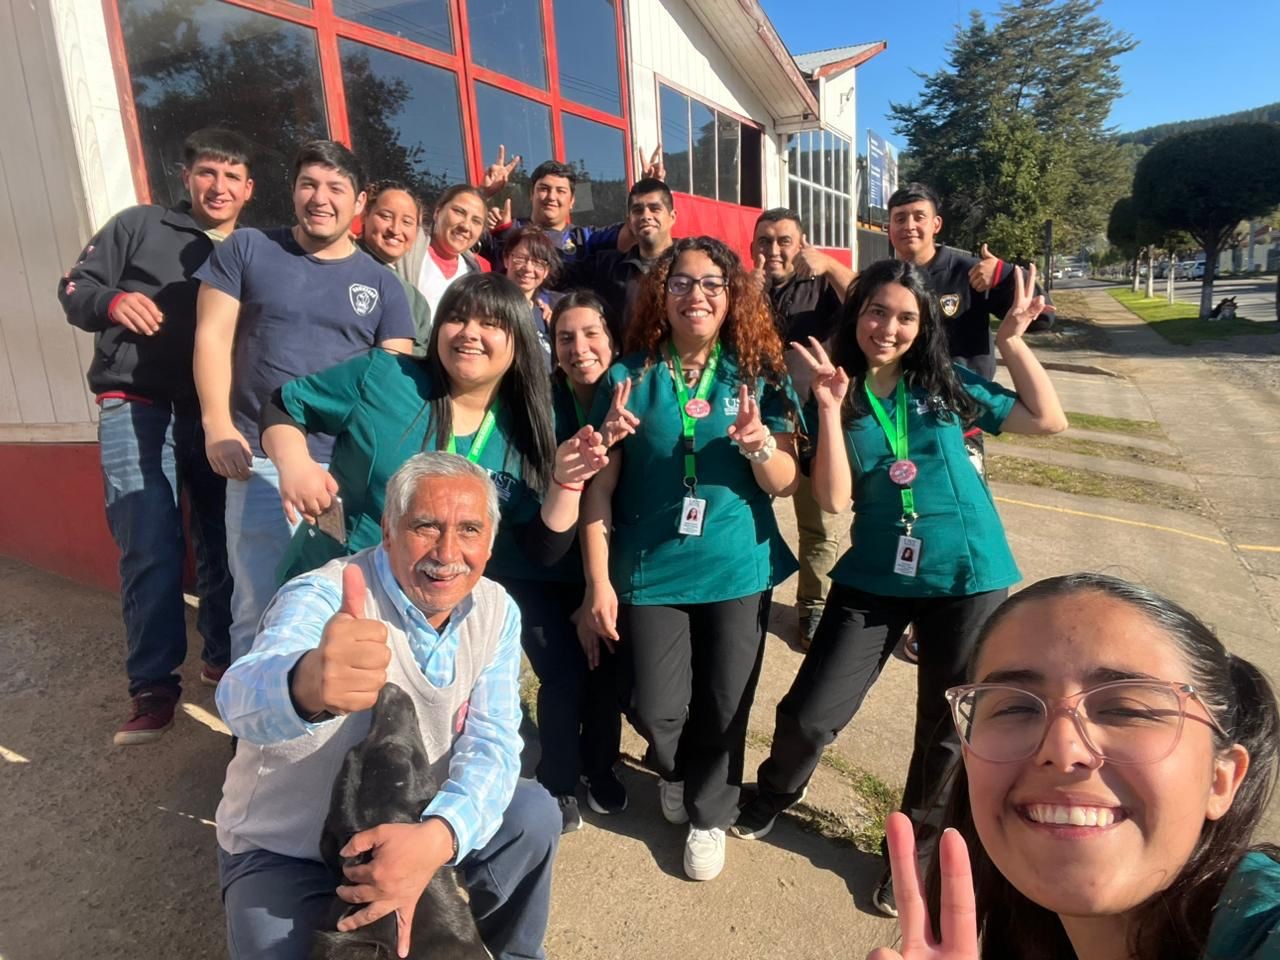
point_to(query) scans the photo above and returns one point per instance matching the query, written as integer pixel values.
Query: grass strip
(1180, 322)
(1097, 421)
(1091, 483)
(1091, 448)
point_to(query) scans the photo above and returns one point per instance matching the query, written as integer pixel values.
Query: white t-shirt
(432, 283)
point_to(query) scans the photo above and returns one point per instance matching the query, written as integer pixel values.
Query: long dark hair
(1174, 923)
(926, 365)
(525, 391)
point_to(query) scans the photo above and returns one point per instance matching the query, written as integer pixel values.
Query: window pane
(702, 120)
(599, 154)
(421, 21)
(523, 126)
(587, 48)
(842, 166)
(404, 115)
(793, 155)
(506, 37)
(828, 160)
(793, 195)
(200, 63)
(673, 108)
(728, 145)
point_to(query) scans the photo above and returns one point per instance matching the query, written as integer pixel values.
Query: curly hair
(748, 331)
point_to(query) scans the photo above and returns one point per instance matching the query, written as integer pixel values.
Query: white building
(99, 94)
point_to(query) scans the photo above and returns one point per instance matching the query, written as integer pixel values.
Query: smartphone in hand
(333, 521)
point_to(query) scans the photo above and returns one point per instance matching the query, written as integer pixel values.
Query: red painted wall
(51, 512)
(734, 224)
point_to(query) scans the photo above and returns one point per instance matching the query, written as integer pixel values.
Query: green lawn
(1180, 322)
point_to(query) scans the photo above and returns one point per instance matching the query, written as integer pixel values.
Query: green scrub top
(963, 547)
(375, 405)
(740, 551)
(1246, 921)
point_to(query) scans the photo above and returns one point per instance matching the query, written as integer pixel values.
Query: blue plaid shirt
(254, 700)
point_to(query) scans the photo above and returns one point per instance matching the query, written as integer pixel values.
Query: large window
(708, 152)
(819, 182)
(423, 90)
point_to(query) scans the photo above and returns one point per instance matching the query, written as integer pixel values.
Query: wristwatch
(764, 453)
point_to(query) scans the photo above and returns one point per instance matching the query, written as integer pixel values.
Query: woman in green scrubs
(891, 411)
(681, 547)
(481, 391)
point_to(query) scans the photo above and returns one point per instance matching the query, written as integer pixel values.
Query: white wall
(667, 41)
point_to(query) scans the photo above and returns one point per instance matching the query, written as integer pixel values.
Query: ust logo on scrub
(363, 298)
(505, 483)
(950, 303)
(731, 406)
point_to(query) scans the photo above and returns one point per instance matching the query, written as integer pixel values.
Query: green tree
(1207, 181)
(1011, 131)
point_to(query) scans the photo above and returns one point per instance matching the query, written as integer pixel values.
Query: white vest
(432, 283)
(276, 797)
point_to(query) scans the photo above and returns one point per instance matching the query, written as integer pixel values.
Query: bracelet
(569, 486)
(764, 453)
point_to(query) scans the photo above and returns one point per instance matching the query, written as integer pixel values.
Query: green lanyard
(482, 436)
(682, 398)
(896, 434)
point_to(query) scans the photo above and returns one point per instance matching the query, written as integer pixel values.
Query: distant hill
(1149, 135)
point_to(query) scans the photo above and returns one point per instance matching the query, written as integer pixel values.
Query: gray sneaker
(671, 799)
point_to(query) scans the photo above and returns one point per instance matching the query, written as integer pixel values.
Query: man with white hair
(416, 611)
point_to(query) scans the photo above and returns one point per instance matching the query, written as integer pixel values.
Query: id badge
(692, 510)
(907, 560)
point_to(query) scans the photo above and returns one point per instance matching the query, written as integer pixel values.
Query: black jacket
(150, 250)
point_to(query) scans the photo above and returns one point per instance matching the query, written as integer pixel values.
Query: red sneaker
(210, 675)
(152, 716)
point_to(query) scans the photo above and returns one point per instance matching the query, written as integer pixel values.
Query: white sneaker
(704, 853)
(671, 799)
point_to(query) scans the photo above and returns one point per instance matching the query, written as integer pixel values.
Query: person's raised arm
(225, 446)
(1038, 409)
(812, 262)
(600, 604)
(778, 473)
(831, 475)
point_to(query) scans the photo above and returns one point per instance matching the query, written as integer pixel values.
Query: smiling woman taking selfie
(1117, 761)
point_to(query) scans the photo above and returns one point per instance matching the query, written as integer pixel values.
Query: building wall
(666, 41)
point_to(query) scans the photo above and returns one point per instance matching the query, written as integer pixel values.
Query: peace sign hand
(655, 167)
(1024, 308)
(619, 422)
(499, 172)
(748, 431)
(830, 384)
(959, 912)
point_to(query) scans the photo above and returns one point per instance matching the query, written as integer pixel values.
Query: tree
(1207, 181)
(1122, 232)
(1011, 131)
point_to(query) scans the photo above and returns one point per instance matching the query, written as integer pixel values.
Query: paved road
(1255, 297)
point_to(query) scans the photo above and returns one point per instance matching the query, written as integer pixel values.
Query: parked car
(1185, 269)
(1057, 274)
(1197, 270)
(1075, 272)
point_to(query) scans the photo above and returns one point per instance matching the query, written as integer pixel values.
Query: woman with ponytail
(1117, 761)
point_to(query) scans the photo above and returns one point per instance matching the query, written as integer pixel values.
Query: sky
(1188, 63)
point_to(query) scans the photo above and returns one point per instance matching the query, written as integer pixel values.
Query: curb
(1064, 366)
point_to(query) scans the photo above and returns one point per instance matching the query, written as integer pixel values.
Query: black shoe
(808, 627)
(755, 820)
(882, 899)
(570, 815)
(605, 793)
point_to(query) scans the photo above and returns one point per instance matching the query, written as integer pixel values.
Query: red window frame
(330, 27)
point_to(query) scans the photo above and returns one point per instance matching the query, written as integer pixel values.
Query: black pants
(579, 720)
(857, 634)
(695, 673)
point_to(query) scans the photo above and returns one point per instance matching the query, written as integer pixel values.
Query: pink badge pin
(902, 472)
(697, 408)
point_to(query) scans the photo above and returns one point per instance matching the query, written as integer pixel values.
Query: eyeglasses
(519, 262)
(680, 284)
(1123, 721)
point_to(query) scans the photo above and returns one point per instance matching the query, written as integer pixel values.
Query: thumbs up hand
(758, 276)
(810, 261)
(982, 276)
(345, 673)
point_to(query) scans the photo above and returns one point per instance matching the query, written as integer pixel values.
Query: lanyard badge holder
(903, 472)
(482, 436)
(693, 509)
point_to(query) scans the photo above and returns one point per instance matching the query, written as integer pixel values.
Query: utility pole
(1048, 256)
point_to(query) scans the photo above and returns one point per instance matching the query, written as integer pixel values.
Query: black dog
(386, 779)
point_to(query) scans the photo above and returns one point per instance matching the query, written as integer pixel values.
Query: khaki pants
(820, 536)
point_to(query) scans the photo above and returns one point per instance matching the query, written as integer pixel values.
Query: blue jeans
(150, 457)
(274, 902)
(258, 535)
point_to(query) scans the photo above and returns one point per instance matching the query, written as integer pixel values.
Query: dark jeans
(696, 667)
(150, 457)
(274, 902)
(579, 717)
(857, 634)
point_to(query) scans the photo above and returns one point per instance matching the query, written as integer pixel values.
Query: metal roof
(824, 63)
